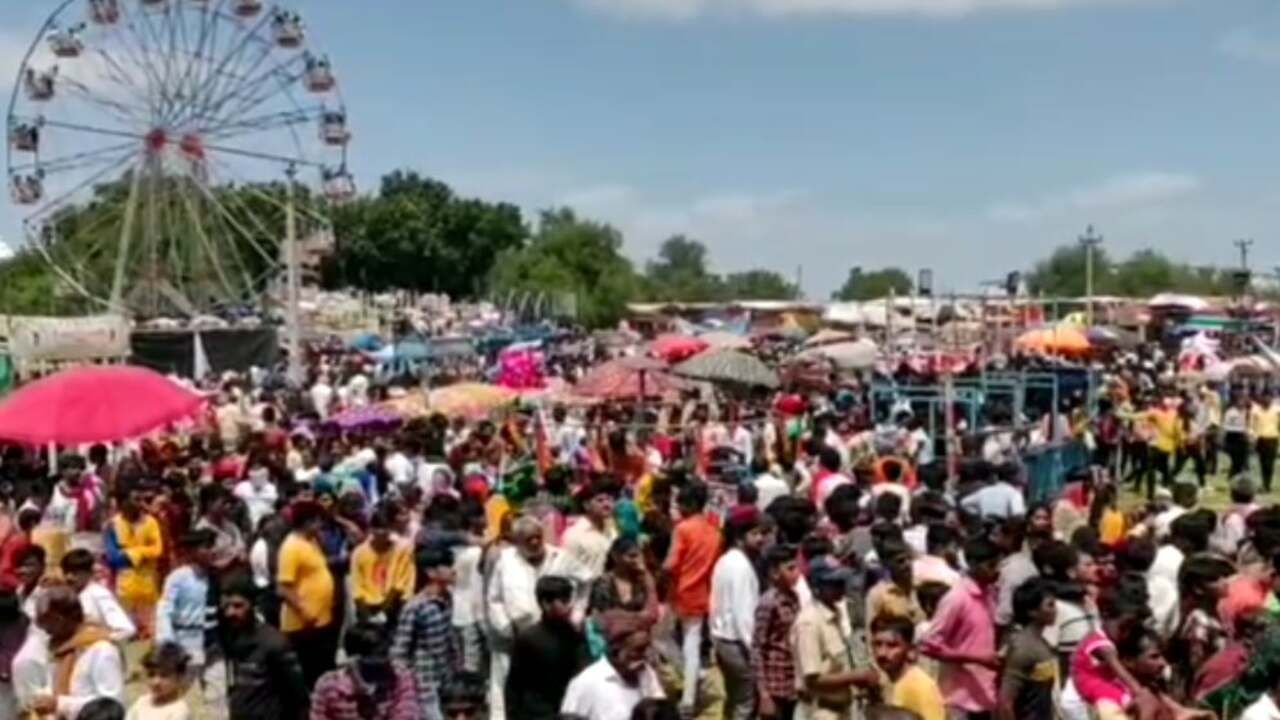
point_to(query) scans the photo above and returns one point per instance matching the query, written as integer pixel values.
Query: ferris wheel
(162, 151)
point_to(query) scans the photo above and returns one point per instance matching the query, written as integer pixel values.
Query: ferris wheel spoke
(266, 91)
(74, 161)
(265, 156)
(94, 130)
(124, 113)
(146, 60)
(304, 209)
(232, 84)
(115, 72)
(91, 180)
(215, 258)
(132, 55)
(231, 220)
(196, 56)
(261, 123)
(203, 94)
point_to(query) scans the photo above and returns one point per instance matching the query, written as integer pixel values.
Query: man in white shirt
(611, 688)
(997, 499)
(769, 487)
(1266, 708)
(99, 605)
(400, 463)
(743, 442)
(511, 598)
(1185, 495)
(588, 539)
(98, 671)
(258, 493)
(322, 397)
(735, 592)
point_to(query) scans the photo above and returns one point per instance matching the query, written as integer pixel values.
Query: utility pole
(292, 282)
(1244, 244)
(1090, 240)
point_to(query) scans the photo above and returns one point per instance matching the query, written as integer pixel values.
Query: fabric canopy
(1062, 339)
(470, 400)
(674, 348)
(627, 378)
(729, 366)
(855, 355)
(95, 404)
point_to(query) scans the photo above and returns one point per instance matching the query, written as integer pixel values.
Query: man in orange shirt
(695, 547)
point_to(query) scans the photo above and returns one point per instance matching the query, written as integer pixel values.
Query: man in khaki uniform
(825, 675)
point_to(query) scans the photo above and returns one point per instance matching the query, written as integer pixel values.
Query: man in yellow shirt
(307, 589)
(904, 684)
(382, 570)
(896, 595)
(137, 536)
(1264, 426)
(1166, 438)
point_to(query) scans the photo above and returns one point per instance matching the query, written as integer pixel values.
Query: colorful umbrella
(674, 348)
(95, 404)
(1061, 340)
(410, 406)
(469, 400)
(364, 418)
(855, 355)
(721, 340)
(1112, 337)
(631, 377)
(729, 366)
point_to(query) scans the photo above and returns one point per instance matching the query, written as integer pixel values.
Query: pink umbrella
(675, 348)
(95, 404)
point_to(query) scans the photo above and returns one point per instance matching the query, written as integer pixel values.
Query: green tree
(1062, 274)
(570, 256)
(860, 285)
(757, 285)
(679, 274)
(417, 234)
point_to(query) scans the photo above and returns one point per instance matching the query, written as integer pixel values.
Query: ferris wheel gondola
(151, 142)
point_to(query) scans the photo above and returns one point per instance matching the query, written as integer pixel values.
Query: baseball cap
(826, 570)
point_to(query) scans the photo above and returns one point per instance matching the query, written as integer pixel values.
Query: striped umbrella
(729, 366)
(473, 401)
(627, 378)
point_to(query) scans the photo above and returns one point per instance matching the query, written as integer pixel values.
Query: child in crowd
(166, 666)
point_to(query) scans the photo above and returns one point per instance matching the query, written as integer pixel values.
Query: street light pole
(1090, 240)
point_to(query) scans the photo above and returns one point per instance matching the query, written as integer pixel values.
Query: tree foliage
(862, 285)
(570, 256)
(758, 285)
(680, 274)
(1144, 273)
(416, 234)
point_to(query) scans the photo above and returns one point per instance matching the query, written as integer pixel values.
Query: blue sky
(966, 136)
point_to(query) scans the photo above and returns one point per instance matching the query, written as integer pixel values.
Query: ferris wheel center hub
(190, 144)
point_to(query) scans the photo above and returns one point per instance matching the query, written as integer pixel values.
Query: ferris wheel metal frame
(193, 106)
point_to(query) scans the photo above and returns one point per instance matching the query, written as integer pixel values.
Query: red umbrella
(95, 404)
(675, 348)
(627, 378)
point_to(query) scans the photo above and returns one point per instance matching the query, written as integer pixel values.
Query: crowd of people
(603, 564)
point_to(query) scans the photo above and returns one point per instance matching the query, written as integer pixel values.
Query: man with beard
(84, 664)
(265, 679)
(612, 687)
(512, 598)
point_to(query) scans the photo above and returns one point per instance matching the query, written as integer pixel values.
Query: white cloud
(677, 10)
(1252, 45)
(1136, 191)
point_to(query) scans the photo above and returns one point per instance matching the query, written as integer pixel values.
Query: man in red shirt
(695, 547)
